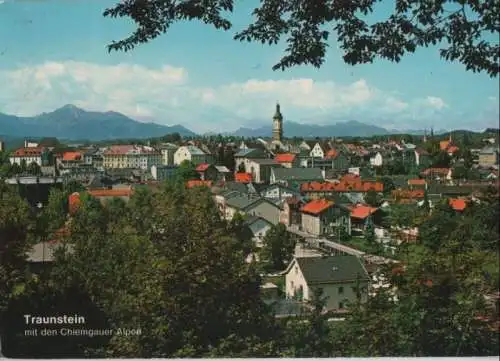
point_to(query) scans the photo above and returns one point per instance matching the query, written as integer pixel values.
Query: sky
(53, 52)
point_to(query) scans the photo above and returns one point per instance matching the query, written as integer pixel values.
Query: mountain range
(72, 123)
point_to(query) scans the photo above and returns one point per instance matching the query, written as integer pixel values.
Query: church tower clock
(277, 124)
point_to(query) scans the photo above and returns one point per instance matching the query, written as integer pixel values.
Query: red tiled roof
(457, 204)
(438, 171)
(243, 177)
(27, 152)
(317, 206)
(72, 156)
(444, 144)
(453, 149)
(408, 194)
(417, 182)
(285, 158)
(331, 154)
(362, 212)
(202, 167)
(343, 186)
(74, 202)
(198, 183)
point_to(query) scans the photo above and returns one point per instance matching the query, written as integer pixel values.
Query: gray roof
(195, 150)
(250, 152)
(489, 150)
(266, 161)
(298, 174)
(222, 169)
(236, 186)
(332, 269)
(252, 219)
(242, 201)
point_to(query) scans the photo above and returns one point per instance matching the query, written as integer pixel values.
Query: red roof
(417, 182)
(74, 202)
(444, 144)
(28, 152)
(331, 154)
(202, 167)
(285, 158)
(362, 212)
(453, 149)
(408, 194)
(72, 156)
(243, 177)
(198, 183)
(438, 171)
(342, 187)
(457, 204)
(317, 206)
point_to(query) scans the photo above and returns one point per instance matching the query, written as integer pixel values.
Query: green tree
(278, 247)
(441, 160)
(307, 26)
(186, 171)
(15, 226)
(34, 169)
(372, 198)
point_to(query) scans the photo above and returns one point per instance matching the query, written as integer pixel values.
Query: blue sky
(53, 53)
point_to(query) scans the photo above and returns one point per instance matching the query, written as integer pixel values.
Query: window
(341, 290)
(296, 270)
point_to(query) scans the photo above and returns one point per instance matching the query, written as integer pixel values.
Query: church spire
(277, 124)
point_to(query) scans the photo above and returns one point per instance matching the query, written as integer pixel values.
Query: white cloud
(435, 102)
(166, 95)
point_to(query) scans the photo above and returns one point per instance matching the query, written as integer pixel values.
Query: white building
(131, 156)
(376, 160)
(190, 153)
(28, 154)
(167, 152)
(342, 278)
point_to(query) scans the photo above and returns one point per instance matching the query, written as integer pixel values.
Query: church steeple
(277, 124)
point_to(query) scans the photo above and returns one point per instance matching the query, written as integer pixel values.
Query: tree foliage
(279, 247)
(464, 30)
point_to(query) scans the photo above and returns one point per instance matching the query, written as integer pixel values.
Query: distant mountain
(71, 122)
(341, 129)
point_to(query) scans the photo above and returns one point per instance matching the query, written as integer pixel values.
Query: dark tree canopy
(462, 28)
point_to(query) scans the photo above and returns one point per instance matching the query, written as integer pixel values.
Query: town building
(277, 125)
(323, 217)
(192, 154)
(343, 280)
(130, 156)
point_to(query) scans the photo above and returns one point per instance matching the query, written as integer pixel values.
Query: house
(323, 217)
(279, 191)
(342, 279)
(223, 173)
(376, 160)
(259, 227)
(260, 169)
(252, 205)
(163, 172)
(167, 151)
(294, 176)
(72, 159)
(191, 153)
(291, 214)
(27, 155)
(332, 161)
(287, 160)
(488, 156)
(244, 156)
(130, 156)
(407, 196)
(361, 216)
(207, 172)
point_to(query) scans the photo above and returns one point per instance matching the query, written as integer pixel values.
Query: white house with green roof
(340, 277)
